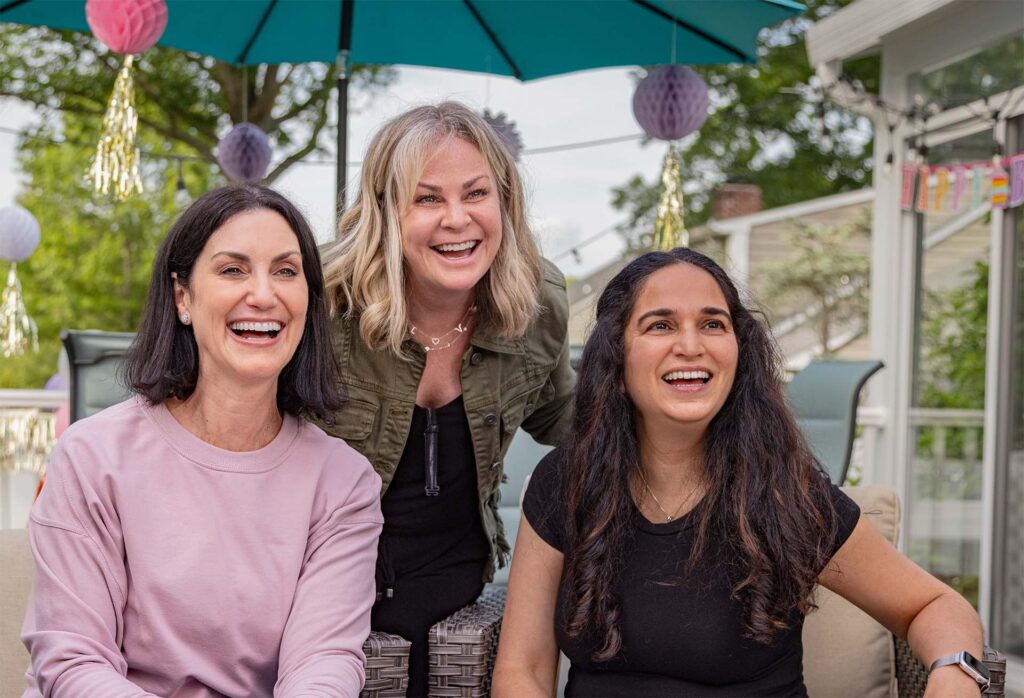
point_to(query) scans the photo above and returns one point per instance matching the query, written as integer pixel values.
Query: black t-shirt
(679, 638)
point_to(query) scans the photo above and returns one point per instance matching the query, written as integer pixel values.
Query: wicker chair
(464, 645)
(387, 666)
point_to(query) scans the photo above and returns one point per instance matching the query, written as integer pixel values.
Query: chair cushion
(15, 583)
(846, 652)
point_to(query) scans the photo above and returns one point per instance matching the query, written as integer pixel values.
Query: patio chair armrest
(463, 647)
(912, 676)
(387, 666)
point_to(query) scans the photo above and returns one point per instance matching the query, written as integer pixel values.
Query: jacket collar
(485, 338)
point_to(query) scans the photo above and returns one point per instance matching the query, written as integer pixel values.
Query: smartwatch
(969, 664)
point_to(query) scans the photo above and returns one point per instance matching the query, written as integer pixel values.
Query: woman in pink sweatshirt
(203, 538)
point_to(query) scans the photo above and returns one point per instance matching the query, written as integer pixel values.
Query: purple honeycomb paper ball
(506, 130)
(244, 153)
(671, 102)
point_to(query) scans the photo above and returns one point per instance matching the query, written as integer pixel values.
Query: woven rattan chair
(464, 645)
(912, 676)
(387, 666)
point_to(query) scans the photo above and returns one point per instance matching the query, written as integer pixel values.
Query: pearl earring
(185, 318)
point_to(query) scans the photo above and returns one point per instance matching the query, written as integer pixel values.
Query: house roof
(859, 28)
(741, 224)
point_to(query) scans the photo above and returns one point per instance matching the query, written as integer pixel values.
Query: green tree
(765, 129)
(92, 266)
(93, 263)
(953, 339)
(188, 100)
(823, 274)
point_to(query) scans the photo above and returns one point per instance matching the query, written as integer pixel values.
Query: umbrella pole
(344, 51)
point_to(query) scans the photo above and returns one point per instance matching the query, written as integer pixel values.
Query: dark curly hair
(765, 488)
(163, 360)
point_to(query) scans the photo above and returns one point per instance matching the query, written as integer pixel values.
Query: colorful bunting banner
(944, 188)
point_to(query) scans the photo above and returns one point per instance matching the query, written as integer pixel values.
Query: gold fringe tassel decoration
(669, 229)
(17, 330)
(116, 164)
(26, 438)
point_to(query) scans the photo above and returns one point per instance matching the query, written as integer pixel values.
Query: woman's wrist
(951, 680)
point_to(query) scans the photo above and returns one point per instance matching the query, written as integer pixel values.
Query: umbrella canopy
(525, 39)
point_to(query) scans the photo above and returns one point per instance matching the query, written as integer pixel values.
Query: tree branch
(310, 146)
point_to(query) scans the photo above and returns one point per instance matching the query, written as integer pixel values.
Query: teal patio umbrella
(525, 39)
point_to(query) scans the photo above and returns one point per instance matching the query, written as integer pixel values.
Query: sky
(569, 191)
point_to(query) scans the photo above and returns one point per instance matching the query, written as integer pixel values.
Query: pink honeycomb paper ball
(127, 26)
(671, 102)
(244, 153)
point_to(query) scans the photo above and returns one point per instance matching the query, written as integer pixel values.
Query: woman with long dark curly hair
(672, 545)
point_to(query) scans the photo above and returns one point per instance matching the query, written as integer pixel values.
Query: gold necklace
(668, 517)
(435, 342)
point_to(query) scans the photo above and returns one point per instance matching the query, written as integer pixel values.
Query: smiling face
(451, 230)
(680, 350)
(247, 299)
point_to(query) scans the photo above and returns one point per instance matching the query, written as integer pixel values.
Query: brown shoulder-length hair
(765, 493)
(163, 360)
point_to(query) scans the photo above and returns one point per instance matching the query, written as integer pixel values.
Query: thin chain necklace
(668, 517)
(435, 342)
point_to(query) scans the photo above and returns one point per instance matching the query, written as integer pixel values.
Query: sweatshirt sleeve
(322, 646)
(74, 624)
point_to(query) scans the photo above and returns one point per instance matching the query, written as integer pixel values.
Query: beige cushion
(846, 652)
(15, 583)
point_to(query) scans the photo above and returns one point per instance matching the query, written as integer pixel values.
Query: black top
(679, 638)
(427, 533)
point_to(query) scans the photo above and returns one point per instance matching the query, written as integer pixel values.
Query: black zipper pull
(432, 489)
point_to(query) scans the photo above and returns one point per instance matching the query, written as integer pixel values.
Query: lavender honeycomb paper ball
(244, 153)
(19, 233)
(671, 102)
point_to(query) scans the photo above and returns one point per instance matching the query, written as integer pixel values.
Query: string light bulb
(888, 163)
(181, 195)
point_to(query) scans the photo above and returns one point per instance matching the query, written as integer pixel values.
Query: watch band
(969, 664)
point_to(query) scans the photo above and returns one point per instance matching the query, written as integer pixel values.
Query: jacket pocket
(355, 421)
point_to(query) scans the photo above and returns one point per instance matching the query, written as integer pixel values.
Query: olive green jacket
(506, 384)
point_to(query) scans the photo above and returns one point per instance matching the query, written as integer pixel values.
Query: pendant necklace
(436, 342)
(668, 517)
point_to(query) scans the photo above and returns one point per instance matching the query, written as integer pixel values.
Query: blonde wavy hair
(365, 271)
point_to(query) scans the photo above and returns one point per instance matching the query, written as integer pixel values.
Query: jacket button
(490, 420)
(475, 358)
(528, 410)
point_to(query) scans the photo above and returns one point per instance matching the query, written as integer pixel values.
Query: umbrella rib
(694, 30)
(11, 5)
(244, 55)
(494, 40)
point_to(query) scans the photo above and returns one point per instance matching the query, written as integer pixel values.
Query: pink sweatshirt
(166, 566)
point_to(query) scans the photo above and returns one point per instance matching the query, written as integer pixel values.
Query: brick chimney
(734, 199)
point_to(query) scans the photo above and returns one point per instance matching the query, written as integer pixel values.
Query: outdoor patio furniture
(824, 399)
(95, 358)
(464, 645)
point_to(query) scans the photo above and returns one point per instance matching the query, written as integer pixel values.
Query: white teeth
(256, 326)
(687, 375)
(457, 247)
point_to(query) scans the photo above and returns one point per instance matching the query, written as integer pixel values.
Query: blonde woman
(451, 332)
